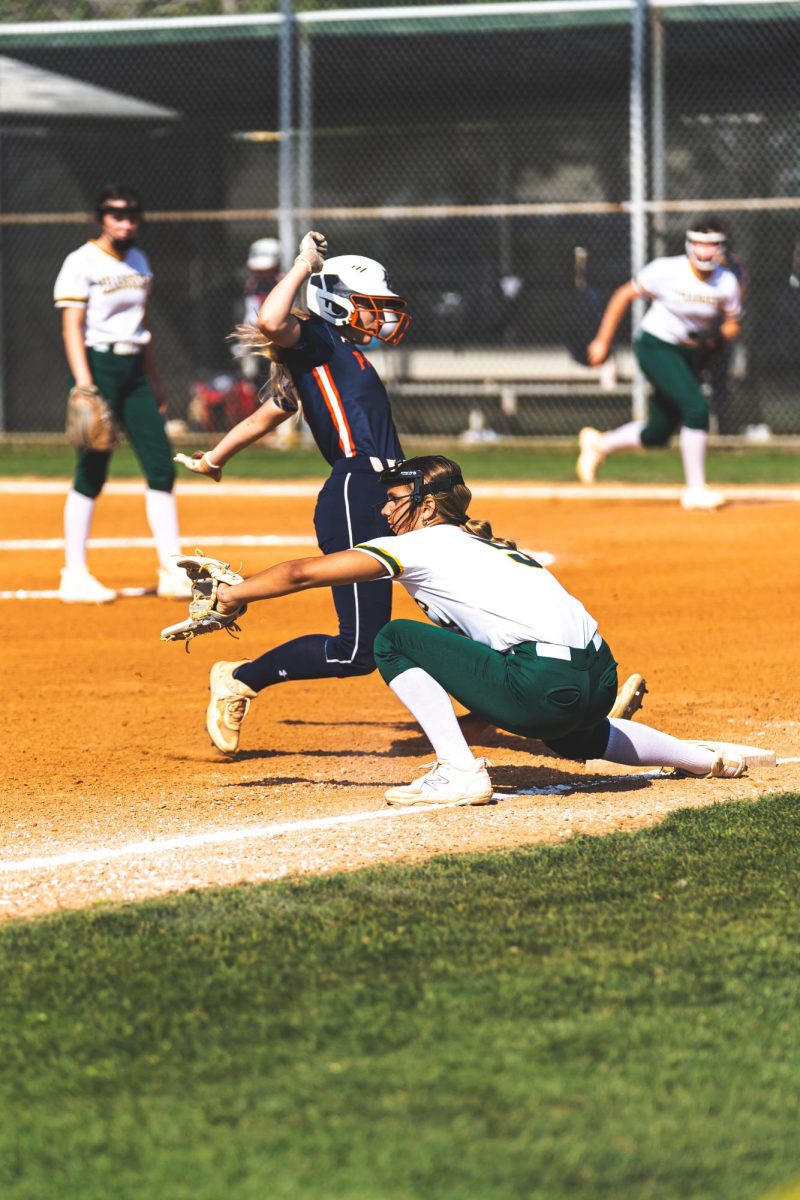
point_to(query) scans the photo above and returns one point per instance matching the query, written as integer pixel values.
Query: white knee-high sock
(432, 708)
(162, 517)
(78, 513)
(635, 745)
(693, 444)
(626, 437)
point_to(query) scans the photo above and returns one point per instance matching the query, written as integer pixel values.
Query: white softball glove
(205, 575)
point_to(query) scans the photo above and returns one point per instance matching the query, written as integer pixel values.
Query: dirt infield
(105, 745)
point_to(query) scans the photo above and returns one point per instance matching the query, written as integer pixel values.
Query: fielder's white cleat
(228, 707)
(78, 586)
(445, 783)
(702, 499)
(173, 584)
(629, 698)
(592, 454)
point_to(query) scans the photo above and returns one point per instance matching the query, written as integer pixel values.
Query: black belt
(362, 463)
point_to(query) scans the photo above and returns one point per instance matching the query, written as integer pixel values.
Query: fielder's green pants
(562, 703)
(122, 381)
(677, 397)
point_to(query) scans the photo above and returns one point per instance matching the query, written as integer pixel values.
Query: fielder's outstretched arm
(299, 575)
(616, 308)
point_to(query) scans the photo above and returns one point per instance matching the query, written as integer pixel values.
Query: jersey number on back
(519, 556)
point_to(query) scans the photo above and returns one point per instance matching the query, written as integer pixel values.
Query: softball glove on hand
(205, 575)
(90, 423)
(201, 464)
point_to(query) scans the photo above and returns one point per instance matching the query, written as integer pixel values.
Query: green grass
(548, 464)
(614, 1017)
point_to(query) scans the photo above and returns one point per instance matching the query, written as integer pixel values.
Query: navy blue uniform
(347, 410)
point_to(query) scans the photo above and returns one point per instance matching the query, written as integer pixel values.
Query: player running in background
(318, 365)
(102, 290)
(690, 294)
(512, 644)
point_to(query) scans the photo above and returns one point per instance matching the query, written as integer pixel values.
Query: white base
(753, 755)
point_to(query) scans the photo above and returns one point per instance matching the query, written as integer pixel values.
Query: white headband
(713, 239)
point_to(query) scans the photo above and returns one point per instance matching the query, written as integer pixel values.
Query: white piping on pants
(355, 585)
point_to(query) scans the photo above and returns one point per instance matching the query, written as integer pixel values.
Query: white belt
(378, 464)
(124, 348)
(553, 650)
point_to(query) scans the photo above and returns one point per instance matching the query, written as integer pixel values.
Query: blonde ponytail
(280, 385)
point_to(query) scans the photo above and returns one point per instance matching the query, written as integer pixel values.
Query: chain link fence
(486, 153)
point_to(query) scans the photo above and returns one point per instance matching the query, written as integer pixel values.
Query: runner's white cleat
(445, 783)
(629, 698)
(78, 586)
(592, 454)
(727, 765)
(701, 499)
(228, 707)
(173, 584)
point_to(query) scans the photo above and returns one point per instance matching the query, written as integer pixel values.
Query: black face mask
(122, 245)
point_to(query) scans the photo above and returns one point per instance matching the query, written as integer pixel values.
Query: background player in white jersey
(692, 296)
(510, 643)
(102, 290)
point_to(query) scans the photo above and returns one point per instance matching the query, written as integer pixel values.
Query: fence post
(2, 306)
(658, 145)
(638, 181)
(286, 223)
(305, 161)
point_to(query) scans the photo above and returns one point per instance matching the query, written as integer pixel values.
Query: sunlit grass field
(610, 1018)
(536, 463)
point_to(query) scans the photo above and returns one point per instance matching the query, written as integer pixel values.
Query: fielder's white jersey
(490, 593)
(113, 291)
(682, 304)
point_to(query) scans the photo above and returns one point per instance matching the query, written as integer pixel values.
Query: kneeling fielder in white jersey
(509, 643)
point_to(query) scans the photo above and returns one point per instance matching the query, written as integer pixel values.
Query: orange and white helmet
(713, 241)
(350, 283)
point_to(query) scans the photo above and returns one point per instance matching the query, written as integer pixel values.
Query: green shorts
(561, 702)
(677, 397)
(122, 381)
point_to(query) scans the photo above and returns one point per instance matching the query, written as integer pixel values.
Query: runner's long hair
(280, 385)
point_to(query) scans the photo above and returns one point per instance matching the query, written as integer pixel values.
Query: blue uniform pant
(347, 512)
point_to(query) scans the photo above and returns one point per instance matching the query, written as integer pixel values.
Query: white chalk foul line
(224, 837)
(190, 841)
(135, 543)
(251, 833)
(52, 593)
(148, 543)
(543, 557)
(488, 491)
